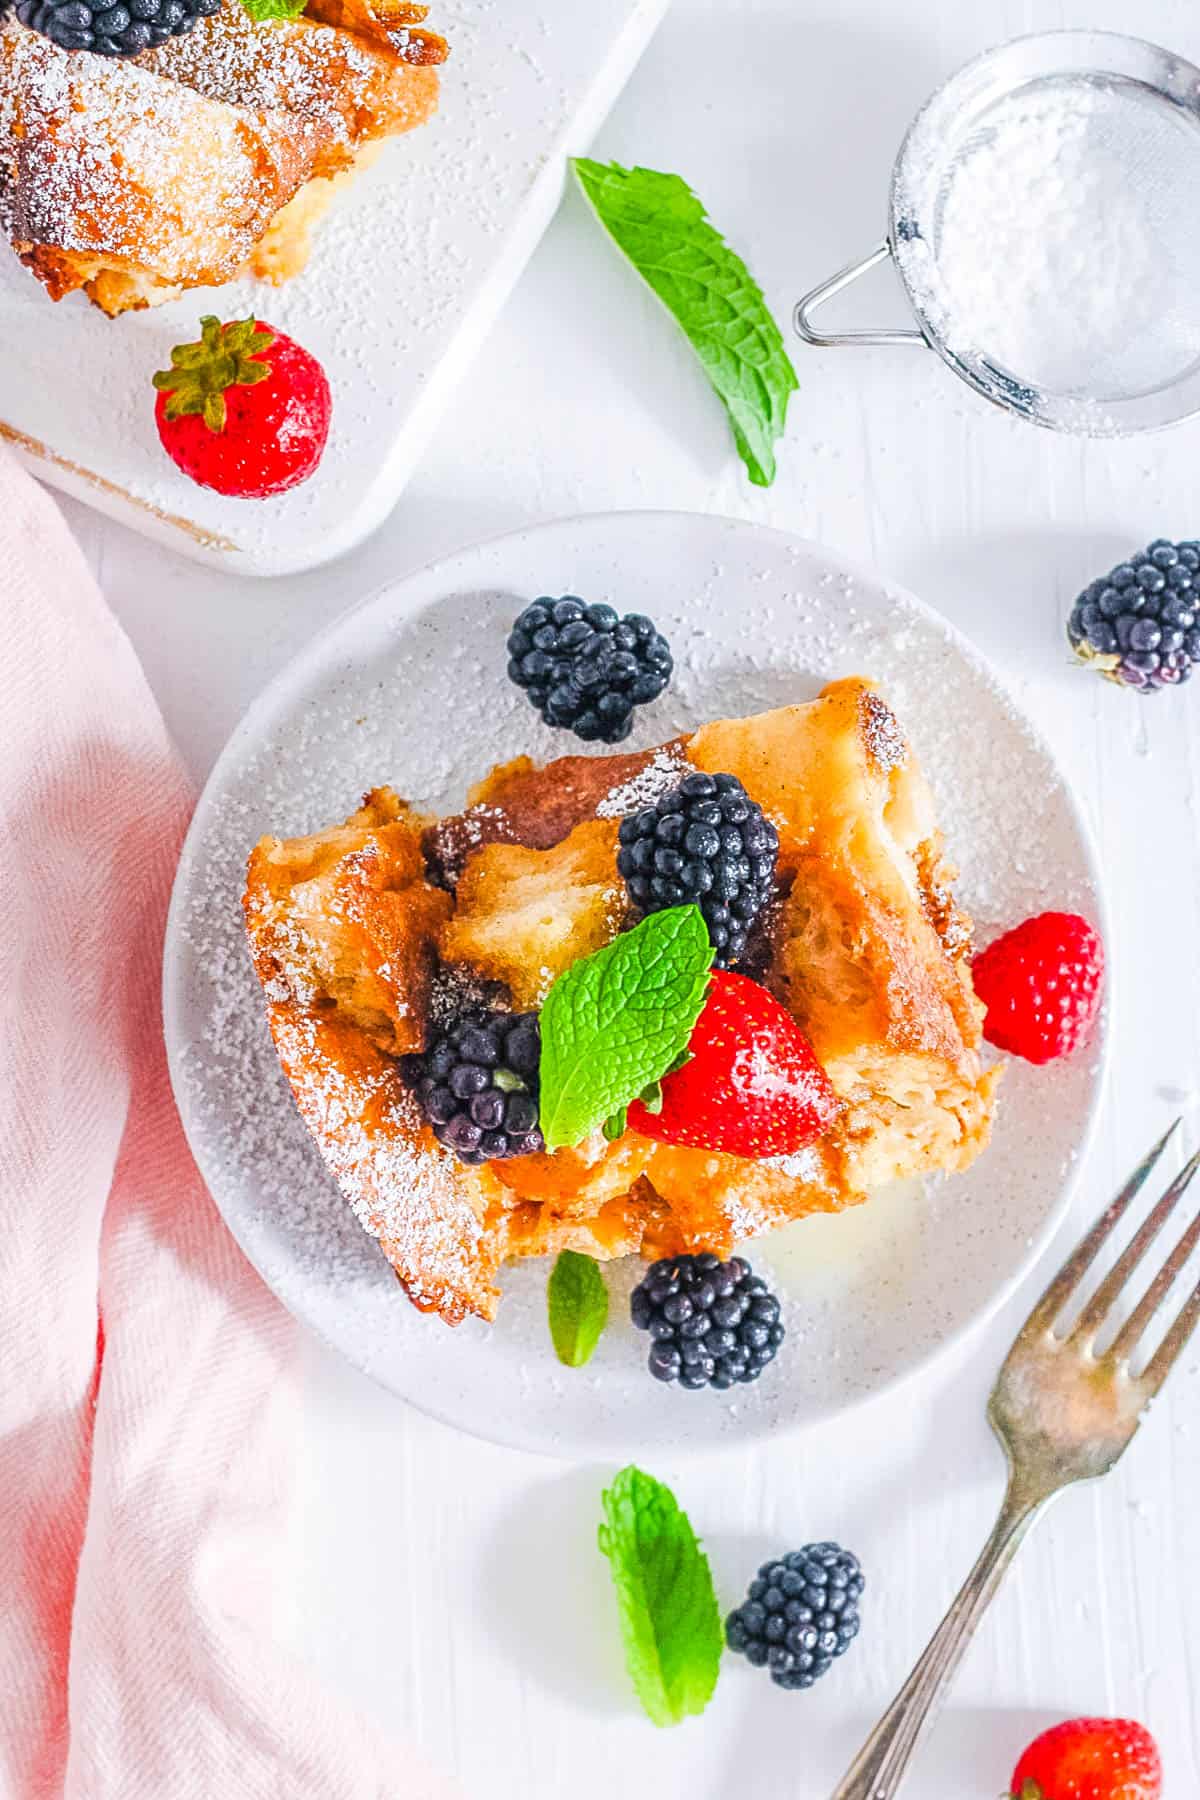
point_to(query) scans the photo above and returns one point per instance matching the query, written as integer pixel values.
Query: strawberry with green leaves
(244, 410)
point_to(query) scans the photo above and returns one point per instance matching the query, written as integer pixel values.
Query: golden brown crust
(355, 91)
(429, 1212)
(393, 23)
(347, 916)
(283, 250)
(342, 928)
(136, 180)
(865, 947)
(112, 169)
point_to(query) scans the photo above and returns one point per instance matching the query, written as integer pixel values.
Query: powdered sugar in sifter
(1043, 221)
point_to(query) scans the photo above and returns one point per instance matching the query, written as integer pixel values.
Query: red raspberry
(1041, 985)
(244, 411)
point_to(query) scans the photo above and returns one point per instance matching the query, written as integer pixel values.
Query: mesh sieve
(1042, 222)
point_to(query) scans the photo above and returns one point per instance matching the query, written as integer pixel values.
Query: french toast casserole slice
(208, 157)
(362, 934)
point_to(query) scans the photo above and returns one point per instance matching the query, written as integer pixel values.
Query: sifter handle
(801, 318)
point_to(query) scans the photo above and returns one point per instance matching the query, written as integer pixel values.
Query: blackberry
(712, 1322)
(477, 1084)
(705, 841)
(800, 1612)
(1140, 624)
(114, 27)
(586, 669)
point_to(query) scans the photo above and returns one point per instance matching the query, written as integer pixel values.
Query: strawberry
(751, 1085)
(1041, 985)
(245, 410)
(1090, 1759)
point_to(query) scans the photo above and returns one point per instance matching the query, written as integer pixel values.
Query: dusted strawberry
(1090, 1759)
(1041, 985)
(751, 1085)
(244, 411)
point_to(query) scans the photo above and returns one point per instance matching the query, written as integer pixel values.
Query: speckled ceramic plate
(410, 688)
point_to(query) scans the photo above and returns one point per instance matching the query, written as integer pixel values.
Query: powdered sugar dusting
(412, 691)
(665, 770)
(418, 249)
(416, 1198)
(1043, 228)
(305, 68)
(884, 739)
(90, 137)
(801, 1165)
(456, 990)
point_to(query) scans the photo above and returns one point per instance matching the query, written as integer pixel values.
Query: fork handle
(878, 1770)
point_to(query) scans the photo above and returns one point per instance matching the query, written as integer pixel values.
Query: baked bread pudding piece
(368, 935)
(206, 158)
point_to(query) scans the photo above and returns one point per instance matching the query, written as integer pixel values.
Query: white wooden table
(455, 1588)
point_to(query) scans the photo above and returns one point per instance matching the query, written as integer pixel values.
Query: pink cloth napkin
(148, 1409)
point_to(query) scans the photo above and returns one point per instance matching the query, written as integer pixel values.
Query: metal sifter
(1043, 222)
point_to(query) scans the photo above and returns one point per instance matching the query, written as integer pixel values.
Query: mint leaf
(670, 1624)
(616, 1125)
(663, 229)
(263, 11)
(615, 1021)
(577, 1301)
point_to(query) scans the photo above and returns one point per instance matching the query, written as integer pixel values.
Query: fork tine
(1172, 1346)
(1101, 1303)
(1134, 1328)
(1076, 1266)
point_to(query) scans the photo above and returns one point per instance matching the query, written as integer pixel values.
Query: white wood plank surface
(455, 1588)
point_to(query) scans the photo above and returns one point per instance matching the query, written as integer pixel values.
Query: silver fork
(1064, 1413)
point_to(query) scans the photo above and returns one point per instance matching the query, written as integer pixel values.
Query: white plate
(410, 688)
(407, 273)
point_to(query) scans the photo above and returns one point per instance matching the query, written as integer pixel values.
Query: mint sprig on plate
(577, 1303)
(670, 1621)
(616, 1021)
(663, 229)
